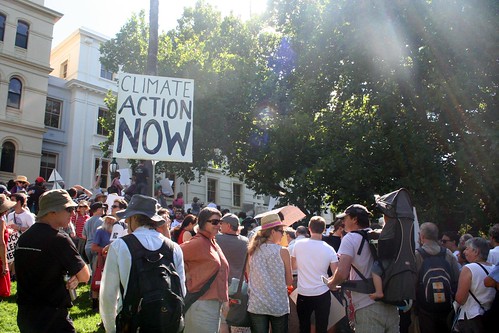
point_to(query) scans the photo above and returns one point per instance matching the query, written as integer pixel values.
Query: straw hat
(271, 221)
(5, 203)
(21, 179)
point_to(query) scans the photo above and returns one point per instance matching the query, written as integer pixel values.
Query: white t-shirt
(24, 220)
(493, 257)
(313, 258)
(349, 246)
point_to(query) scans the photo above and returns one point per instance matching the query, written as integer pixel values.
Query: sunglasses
(445, 240)
(214, 221)
(70, 209)
(280, 230)
(115, 206)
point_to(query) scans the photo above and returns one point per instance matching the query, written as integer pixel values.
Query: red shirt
(79, 222)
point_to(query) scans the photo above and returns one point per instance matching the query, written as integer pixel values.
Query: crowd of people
(70, 237)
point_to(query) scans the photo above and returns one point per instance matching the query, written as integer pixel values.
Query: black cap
(354, 210)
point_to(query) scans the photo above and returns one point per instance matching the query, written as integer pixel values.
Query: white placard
(11, 245)
(154, 118)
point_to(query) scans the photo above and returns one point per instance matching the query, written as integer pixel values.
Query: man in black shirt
(141, 175)
(44, 256)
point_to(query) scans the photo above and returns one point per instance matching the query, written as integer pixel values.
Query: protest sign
(154, 118)
(11, 245)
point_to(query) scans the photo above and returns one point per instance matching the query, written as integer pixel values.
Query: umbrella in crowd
(289, 214)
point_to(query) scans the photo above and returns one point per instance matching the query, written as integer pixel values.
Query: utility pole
(152, 69)
(152, 52)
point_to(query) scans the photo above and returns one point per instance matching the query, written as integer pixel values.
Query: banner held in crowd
(154, 118)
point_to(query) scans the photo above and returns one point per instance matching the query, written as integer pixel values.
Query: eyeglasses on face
(443, 241)
(214, 221)
(115, 206)
(70, 209)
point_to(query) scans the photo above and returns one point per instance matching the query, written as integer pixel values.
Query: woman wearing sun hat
(21, 184)
(269, 276)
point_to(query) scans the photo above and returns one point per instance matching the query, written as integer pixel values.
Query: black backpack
(435, 291)
(153, 302)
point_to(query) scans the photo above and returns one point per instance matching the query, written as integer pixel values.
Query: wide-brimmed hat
(5, 203)
(354, 210)
(231, 219)
(141, 205)
(270, 221)
(54, 201)
(22, 179)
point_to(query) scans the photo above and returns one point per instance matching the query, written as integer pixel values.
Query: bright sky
(108, 16)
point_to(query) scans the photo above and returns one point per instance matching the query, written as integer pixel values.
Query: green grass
(85, 320)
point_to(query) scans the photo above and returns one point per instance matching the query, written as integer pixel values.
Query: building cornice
(77, 84)
(24, 63)
(31, 6)
(55, 142)
(16, 127)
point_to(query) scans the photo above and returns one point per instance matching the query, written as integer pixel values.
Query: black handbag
(238, 314)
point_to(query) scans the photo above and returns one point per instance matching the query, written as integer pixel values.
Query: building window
(22, 34)
(48, 163)
(3, 18)
(53, 110)
(103, 113)
(212, 190)
(236, 194)
(64, 70)
(8, 157)
(104, 171)
(104, 73)
(14, 96)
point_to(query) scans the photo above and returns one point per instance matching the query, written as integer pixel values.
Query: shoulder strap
(359, 273)
(135, 248)
(241, 278)
(363, 233)
(486, 271)
(422, 252)
(476, 299)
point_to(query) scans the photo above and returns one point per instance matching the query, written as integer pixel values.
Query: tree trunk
(152, 53)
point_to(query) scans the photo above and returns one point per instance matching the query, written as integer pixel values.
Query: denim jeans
(260, 323)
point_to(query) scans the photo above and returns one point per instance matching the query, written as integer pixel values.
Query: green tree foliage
(226, 60)
(328, 102)
(411, 88)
